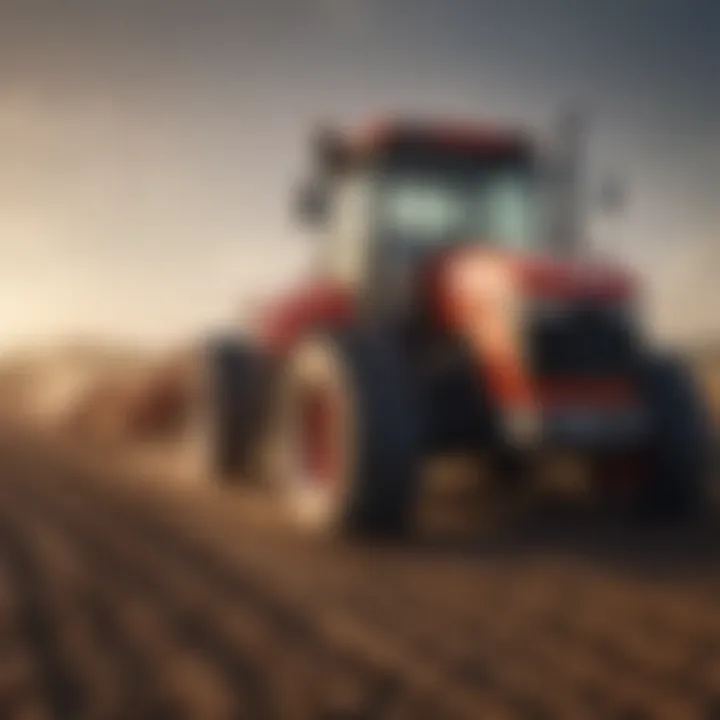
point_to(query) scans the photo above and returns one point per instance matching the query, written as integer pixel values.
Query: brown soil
(121, 597)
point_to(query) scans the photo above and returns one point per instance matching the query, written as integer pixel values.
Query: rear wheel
(345, 437)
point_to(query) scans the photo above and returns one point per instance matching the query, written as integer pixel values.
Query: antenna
(569, 161)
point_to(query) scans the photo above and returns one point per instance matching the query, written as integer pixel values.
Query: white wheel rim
(315, 502)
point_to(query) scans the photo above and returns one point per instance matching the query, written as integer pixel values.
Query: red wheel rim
(318, 437)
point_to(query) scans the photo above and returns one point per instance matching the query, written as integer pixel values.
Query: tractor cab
(447, 219)
(391, 197)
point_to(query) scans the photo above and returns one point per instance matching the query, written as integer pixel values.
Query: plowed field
(126, 598)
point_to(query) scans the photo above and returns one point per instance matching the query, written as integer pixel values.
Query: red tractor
(445, 316)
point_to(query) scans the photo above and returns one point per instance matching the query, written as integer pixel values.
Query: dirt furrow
(123, 601)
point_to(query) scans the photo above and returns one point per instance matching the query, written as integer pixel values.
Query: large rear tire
(346, 437)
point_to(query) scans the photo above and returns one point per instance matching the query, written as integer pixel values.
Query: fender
(319, 305)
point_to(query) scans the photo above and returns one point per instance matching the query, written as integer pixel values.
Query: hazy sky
(148, 147)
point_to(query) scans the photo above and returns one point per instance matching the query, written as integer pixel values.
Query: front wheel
(678, 456)
(344, 437)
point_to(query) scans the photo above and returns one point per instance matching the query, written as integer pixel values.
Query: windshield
(429, 206)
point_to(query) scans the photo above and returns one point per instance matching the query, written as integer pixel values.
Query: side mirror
(311, 203)
(329, 151)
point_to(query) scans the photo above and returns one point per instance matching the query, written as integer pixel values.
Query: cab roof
(385, 134)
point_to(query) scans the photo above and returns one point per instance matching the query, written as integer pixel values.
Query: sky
(149, 147)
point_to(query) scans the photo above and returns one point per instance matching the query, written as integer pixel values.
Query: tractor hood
(486, 296)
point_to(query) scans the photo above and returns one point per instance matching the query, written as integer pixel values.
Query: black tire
(377, 437)
(680, 445)
(226, 410)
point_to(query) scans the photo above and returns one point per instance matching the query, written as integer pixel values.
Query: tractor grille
(589, 339)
